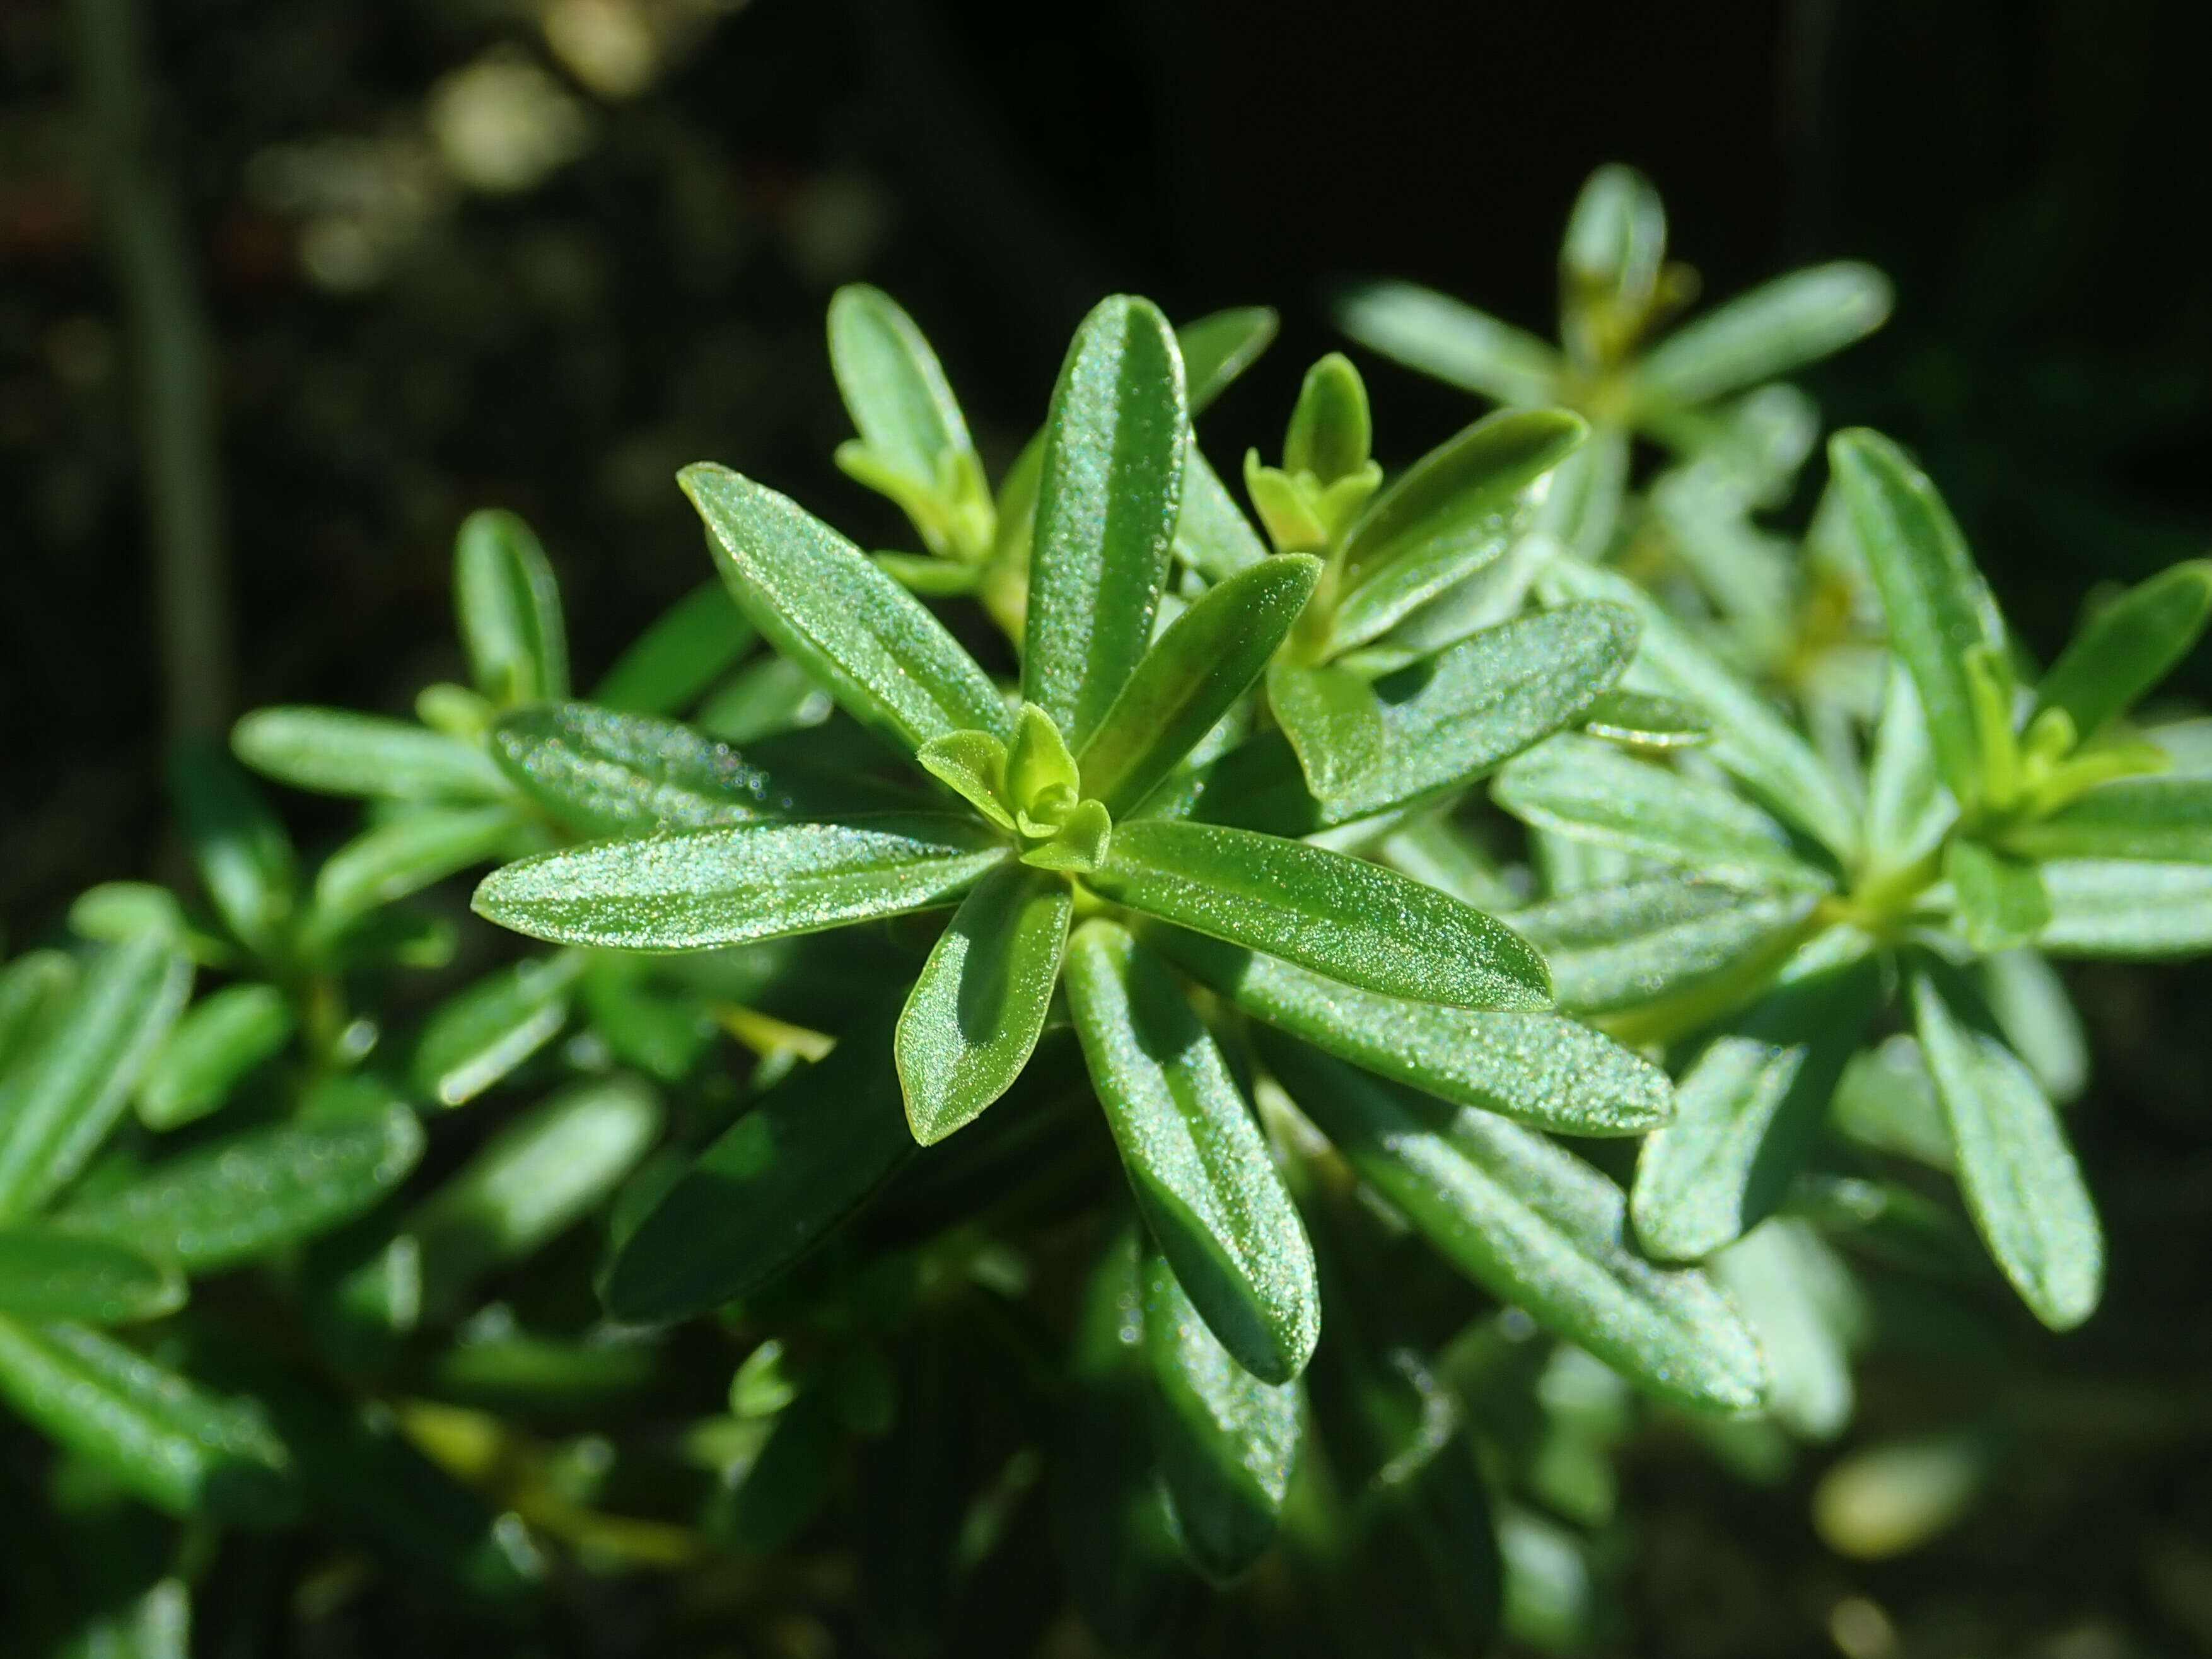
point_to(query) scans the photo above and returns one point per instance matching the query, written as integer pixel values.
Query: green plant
(1341, 878)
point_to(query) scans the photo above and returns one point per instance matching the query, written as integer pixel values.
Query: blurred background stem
(172, 365)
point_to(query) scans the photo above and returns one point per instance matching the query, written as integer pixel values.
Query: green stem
(174, 364)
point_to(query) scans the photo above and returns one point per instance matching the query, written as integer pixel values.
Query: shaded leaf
(688, 647)
(1616, 946)
(223, 1037)
(509, 609)
(2000, 899)
(1221, 345)
(404, 856)
(480, 1035)
(1334, 721)
(46, 1274)
(2127, 646)
(2160, 819)
(244, 858)
(336, 752)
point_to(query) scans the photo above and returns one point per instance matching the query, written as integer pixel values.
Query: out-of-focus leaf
(31, 988)
(806, 1155)
(1886, 1099)
(1533, 1226)
(1646, 721)
(975, 1011)
(1747, 1112)
(157, 1624)
(404, 856)
(1212, 536)
(1108, 498)
(257, 1192)
(479, 1035)
(1803, 1308)
(336, 752)
(163, 1438)
(1226, 1440)
(2021, 1184)
(669, 667)
(244, 856)
(661, 1031)
(748, 881)
(1538, 1069)
(223, 1037)
(2127, 909)
(1352, 920)
(1886, 1499)
(1221, 345)
(1195, 1158)
(47, 1274)
(1334, 721)
(1907, 806)
(61, 1099)
(509, 609)
(818, 600)
(2000, 899)
(1614, 947)
(770, 696)
(917, 1484)
(1779, 325)
(2129, 647)
(1937, 605)
(2164, 820)
(1440, 335)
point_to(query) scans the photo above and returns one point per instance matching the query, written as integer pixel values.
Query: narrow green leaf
(1208, 657)
(807, 1154)
(2129, 647)
(1615, 245)
(1937, 604)
(1907, 807)
(689, 646)
(1108, 498)
(1646, 721)
(481, 1034)
(1352, 920)
(2033, 1010)
(1331, 430)
(1778, 327)
(750, 881)
(2126, 909)
(1614, 947)
(1439, 336)
(336, 752)
(509, 609)
(58, 1103)
(46, 1275)
(1221, 345)
(1538, 1069)
(1194, 1154)
(1455, 509)
(1533, 1226)
(1226, 1440)
(404, 856)
(162, 1437)
(223, 1037)
(1802, 1305)
(770, 696)
(1748, 1110)
(1751, 741)
(31, 988)
(818, 600)
(1334, 721)
(255, 1193)
(2165, 820)
(2021, 1184)
(244, 858)
(2000, 899)
(532, 1180)
(1588, 790)
(975, 1011)
(931, 576)
(1212, 536)
(896, 391)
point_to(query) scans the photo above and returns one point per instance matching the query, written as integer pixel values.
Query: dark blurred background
(541, 252)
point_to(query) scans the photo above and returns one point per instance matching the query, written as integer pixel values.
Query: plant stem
(174, 366)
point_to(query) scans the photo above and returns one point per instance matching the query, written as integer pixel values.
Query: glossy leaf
(1195, 1158)
(2126, 909)
(223, 1037)
(1208, 658)
(1751, 740)
(59, 1101)
(336, 752)
(1533, 1226)
(534, 1179)
(1439, 336)
(1580, 788)
(806, 1155)
(1614, 947)
(1108, 497)
(1355, 921)
(1748, 1110)
(2000, 899)
(1776, 327)
(1936, 604)
(255, 1193)
(606, 774)
(1334, 721)
(1538, 1069)
(509, 609)
(1221, 345)
(818, 600)
(480, 1035)
(1226, 1440)
(670, 666)
(404, 856)
(977, 1011)
(244, 858)
(47, 1274)
(2127, 646)
(2160, 819)
(2022, 1185)
(163, 1438)
(747, 882)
